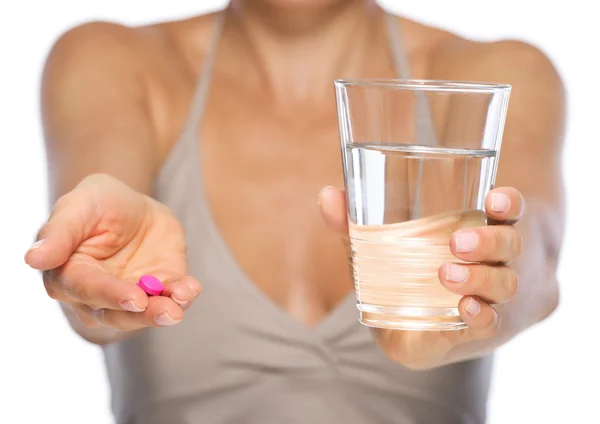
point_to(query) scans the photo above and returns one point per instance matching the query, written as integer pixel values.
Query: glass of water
(419, 158)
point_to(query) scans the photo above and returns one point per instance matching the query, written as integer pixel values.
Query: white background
(546, 375)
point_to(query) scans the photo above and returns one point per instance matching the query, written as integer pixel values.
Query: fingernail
(165, 319)
(466, 242)
(194, 287)
(321, 192)
(456, 273)
(499, 202)
(35, 245)
(129, 305)
(98, 315)
(473, 307)
(180, 302)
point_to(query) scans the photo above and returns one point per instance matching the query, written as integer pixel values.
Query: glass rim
(425, 85)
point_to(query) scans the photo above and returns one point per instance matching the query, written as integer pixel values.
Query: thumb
(332, 202)
(67, 227)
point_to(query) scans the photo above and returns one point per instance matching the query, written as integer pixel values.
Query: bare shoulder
(537, 100)
(446, 55)
(537, 88)
(97, 46)
(152, 67)
(148, 49)
(535, 124)
(506, 61)
(537, 108)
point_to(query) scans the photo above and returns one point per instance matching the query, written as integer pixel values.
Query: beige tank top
(239, 358)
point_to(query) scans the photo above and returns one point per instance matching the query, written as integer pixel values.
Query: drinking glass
(419, 158)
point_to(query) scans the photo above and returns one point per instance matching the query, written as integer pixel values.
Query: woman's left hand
(488, 280)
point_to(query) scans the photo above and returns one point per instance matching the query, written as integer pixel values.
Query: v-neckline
(340, 317)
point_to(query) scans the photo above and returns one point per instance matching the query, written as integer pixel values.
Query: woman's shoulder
(447, 55)
(182, 42)
(155, 66)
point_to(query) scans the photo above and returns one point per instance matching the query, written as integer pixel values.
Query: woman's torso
(274, 336)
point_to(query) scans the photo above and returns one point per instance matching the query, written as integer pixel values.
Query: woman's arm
(95, 113)
(530, 167)
(95, 109)
(530, 161)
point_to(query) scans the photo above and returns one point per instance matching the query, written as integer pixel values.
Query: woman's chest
(262, 178)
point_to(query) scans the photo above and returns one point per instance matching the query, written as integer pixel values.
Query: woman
(228, 121)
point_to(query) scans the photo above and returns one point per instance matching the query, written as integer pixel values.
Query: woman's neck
(295, 52)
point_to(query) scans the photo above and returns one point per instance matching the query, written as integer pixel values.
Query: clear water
(390, 183)
(404, 204)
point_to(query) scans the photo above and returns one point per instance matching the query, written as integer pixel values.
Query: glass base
(410, 318)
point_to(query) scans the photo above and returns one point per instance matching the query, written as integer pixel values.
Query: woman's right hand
(99, 240)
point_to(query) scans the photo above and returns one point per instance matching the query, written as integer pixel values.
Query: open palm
(99, 240)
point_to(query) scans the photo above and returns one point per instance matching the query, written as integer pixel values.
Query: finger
(495, 284)
(90, 285)
(333, 208)
(492, 243)
(483, 321)
(85, 314)
(161, 311)
(53, 286)
(67, 227)
(505, 204)
(183, 291)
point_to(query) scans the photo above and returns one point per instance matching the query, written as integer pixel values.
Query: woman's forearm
(111, 135)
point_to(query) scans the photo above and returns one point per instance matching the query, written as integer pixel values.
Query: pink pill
(151, 285)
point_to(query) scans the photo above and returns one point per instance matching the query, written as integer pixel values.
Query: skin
(104, 155)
